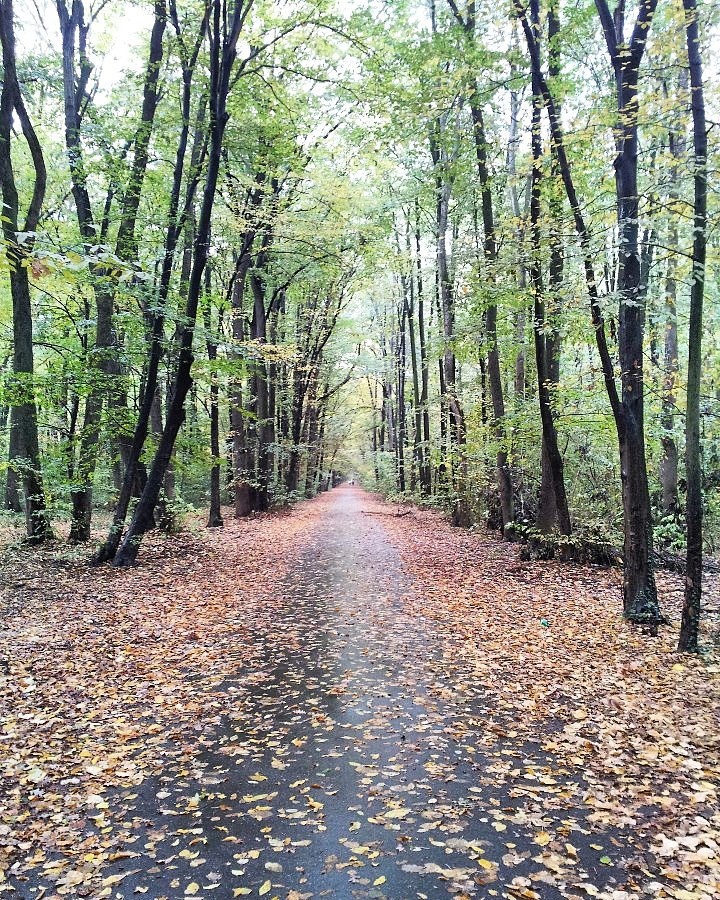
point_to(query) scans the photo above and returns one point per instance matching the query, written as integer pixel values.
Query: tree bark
(639, 590)
(176, 218)
(12, 482)
(222, 56)
(639, 593)
(425, 472)
(409, 300)
(670, 366)
(455, 455)
(552, 506)
(690, 623)
(547, 504)
(215, 519)
(24, 440)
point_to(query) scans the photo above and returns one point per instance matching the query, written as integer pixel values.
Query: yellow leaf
(380, 880)
(192, 888)
(397, 813)
(113, 879)
(241, 892)
(264, 888)
(485, 863)
(542, 838)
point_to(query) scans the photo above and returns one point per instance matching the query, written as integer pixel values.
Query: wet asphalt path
(344, 765)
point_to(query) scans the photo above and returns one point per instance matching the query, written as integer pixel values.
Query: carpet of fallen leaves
(115, 683)
(547, 643)
(100, 675)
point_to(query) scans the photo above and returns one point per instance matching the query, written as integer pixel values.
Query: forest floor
(342, 702)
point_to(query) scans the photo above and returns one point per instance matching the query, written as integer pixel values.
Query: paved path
(345, 765)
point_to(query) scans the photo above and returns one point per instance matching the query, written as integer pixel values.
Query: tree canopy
(455, 249)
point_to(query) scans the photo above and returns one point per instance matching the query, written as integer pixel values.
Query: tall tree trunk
(490, 250)
(418, 451)
(240, 454)
(12, 481)
(261, 498)
(455, 457)
(101, 362)
(693, 469)
(670, 367)
(25, 440)
(547, 505)
(222, 56)
(639, 590)
(73, 30)
(545, 521)
(425, 473)
(401, 356)
(176, 218)
(639, 594)
(504, 477)
(215, 519)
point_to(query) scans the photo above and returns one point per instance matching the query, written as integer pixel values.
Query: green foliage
(327, 166)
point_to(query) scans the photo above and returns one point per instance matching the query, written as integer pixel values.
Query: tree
(688, 640)
(76, 74)
(18, 248)
(639, 592)
(552, 457)
(226, 22)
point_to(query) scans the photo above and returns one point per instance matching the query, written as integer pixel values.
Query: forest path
(345, 764)
(348, 730)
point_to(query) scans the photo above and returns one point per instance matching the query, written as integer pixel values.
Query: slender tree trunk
(639, 593)
(175, 223)
(222, 57)
(549, 433)
(504, 477)
(693, 464)
(455, 457)
(260, 392)
(670, 457)
(293, 473)
(418, 451)
(639, 590)
(241, 477)
(547, 504)
(24, 441)
(215, 519)
(12, 481)
(401, 356)
(671, 367)
(466, 18)
(74, 29)
(425, 474)
(300, 378)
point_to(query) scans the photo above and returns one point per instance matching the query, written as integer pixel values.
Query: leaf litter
(325, 703)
